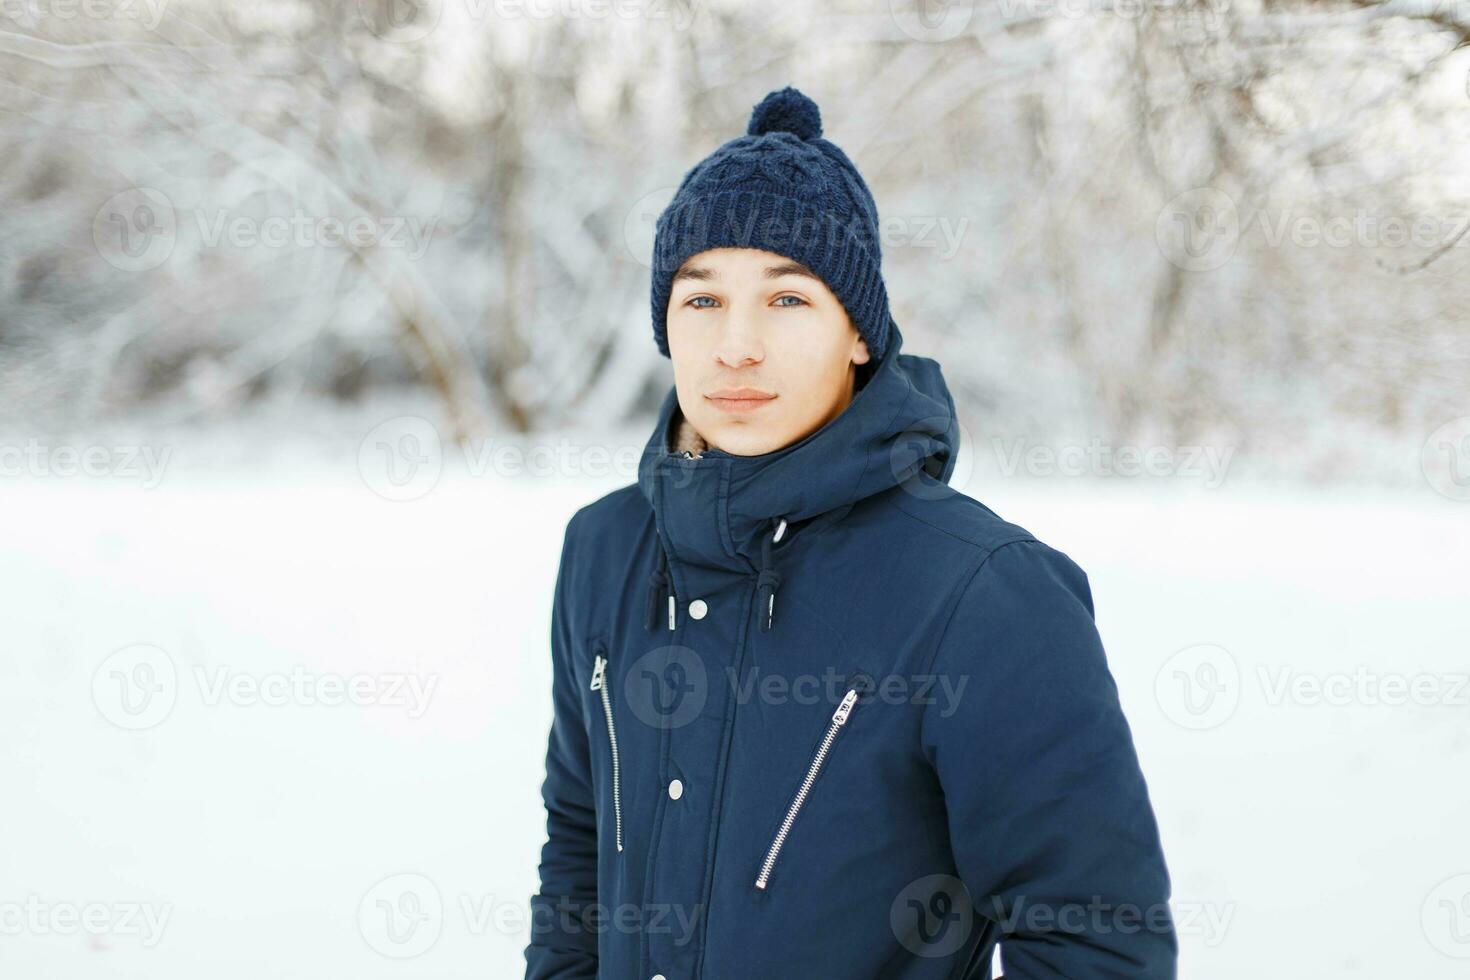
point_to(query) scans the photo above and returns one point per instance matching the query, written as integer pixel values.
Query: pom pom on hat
(786, 111)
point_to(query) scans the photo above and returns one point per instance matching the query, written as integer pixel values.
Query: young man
(818, 714)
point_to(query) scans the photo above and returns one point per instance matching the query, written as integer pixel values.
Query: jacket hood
(722, 511)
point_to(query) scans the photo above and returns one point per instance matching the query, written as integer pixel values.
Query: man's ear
(860, 353)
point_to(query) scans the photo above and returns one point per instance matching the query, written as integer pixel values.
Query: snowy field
(258, 720)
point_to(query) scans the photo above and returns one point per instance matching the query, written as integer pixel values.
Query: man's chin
(742, 438)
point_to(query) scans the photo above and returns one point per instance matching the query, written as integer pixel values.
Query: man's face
(764, 354)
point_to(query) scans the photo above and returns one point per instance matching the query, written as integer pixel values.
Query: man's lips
(739, 399)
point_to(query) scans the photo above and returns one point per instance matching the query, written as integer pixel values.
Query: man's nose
(740, 342)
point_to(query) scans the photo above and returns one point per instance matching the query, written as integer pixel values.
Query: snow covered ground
(257, 719)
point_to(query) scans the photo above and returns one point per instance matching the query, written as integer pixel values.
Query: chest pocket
(595, 678)
(856, 688)
(811, 742)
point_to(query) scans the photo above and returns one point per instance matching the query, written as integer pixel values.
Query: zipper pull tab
(599, 669)
(839, 717)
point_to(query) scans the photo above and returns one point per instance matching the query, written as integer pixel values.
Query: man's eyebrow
(790, 269)
(771, 272)
(692, 272)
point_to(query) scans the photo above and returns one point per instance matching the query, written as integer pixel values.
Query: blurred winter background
(318, 320)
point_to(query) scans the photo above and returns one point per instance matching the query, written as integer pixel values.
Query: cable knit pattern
(782, 188)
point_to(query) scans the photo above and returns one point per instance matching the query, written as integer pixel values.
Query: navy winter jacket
(819, 715)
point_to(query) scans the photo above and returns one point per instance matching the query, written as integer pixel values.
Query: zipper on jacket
(599, 683)
(839, 718)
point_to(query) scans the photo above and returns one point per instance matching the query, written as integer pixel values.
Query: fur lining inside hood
(686, 439)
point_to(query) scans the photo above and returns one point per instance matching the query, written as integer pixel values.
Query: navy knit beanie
(783, 189)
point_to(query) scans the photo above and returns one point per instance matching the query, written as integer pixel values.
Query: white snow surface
(1306, 836)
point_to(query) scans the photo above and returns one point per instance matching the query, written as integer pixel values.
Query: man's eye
(799, 300)
(695, 302)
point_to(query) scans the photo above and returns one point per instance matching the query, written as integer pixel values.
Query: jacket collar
(715, 509)
(686, 438)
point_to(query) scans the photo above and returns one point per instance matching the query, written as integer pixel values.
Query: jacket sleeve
(1049, 818)
(563, 946)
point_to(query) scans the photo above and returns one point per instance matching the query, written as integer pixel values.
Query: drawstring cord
(661, 583)
(769, 579)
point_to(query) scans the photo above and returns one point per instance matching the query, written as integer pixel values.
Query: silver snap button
(698, 608)
(676, 789)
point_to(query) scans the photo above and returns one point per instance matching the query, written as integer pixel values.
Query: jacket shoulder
(598, 536)
(968, 532)
(949, 515)
(610, 519)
